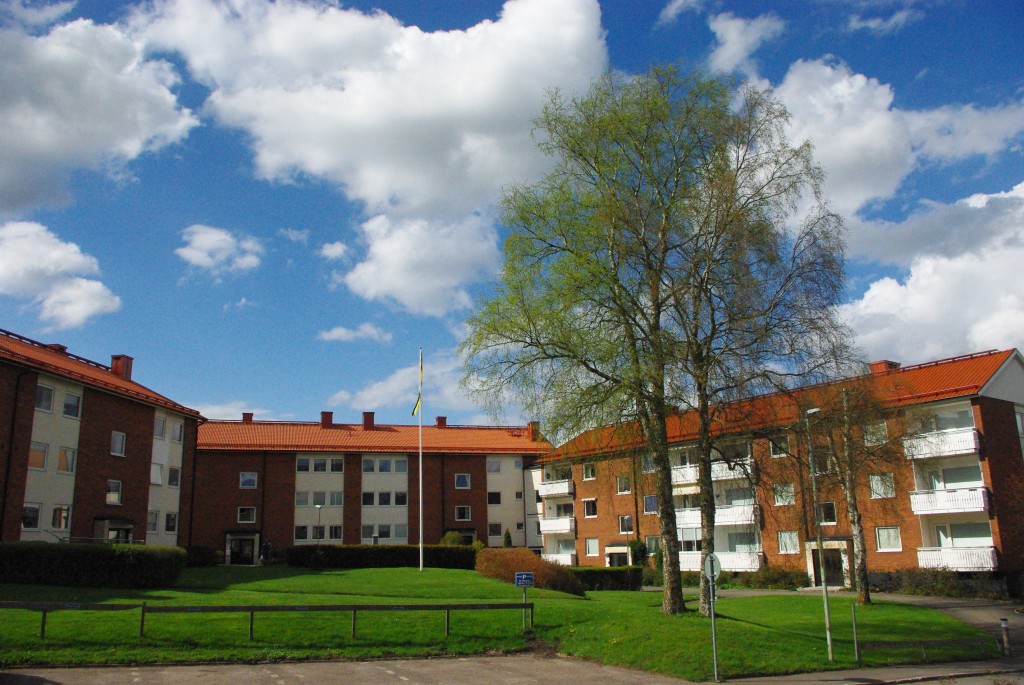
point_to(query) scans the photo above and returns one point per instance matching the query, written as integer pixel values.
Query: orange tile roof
(312, 437)
(55, 360)
(950, 378)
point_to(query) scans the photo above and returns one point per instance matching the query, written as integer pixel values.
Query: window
(44, 398)
(301, 498)
(61, 517)
(152, 521)
(784, 494)
(519, 495)
(887, 539)
(650, 504)
(30, 516)
(626, 524)
(494, 498)
(320, 466)
(739, 495)
(789, 542)
(159, 427)
(593, 548)
(156, 474)
(335, 532)
(384, 499)
(590, 508)
(690, 539)
(401, 531)
(368, 499)
(563, 510)
(301, 532)
(337, 465)
(337, 498)
(827, 513)
(779, 446)
(653, 542)
(518, 463)
(319, 499)
(882, 486)
(463, 514)
(37, 455)
(67, 458)
(171, 522)
(247, 480)
(875, 433)
(177, 432)
(173, 476)
(647, 463)
(384, 531)
(366, 532)
(247, 514)
(401, 466)
(113, 492)
(622, 485)
(494, 530)
(369, 466)
(72, 405)
(462, 481)
(520, 525)
(493, 466)
(401, 499)
(384, 466)
(589, 471)
(318, 532)
(1020, 424)
(117, 443)
(302, 465)
(742, 542)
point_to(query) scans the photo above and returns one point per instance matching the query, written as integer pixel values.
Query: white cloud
(881, 26)
(30, 15)
(37, 266)
(229, 411)
(429, 281)
(441, 376)
(294, 235)
(953, 132)
(739, 38)
(365, 331)
(81, 96)
(963, 294)
(333, 251)
(674, 8)
(219, 251)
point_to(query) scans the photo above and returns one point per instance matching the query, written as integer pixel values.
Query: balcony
(558, 526)
(686, 475)
(556, 488)
(561, 559)
(727, 515)
(943, 444)
(959, 500)
(958, 558)
(731, 561)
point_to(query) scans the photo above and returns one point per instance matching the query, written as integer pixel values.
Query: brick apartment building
(950, 499)
(295, 483)
(85, 451)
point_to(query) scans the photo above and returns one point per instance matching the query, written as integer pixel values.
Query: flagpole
(419, 406)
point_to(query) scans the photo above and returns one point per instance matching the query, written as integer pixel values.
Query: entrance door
(833, 567)
(243, 551)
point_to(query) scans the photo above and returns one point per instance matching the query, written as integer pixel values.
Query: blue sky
(272, 206)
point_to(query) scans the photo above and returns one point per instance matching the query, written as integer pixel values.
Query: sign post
(524, 579)
(712, 568)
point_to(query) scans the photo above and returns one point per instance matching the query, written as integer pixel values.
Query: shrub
(767, 578)
(614, 578)
(638, 552)
(90, 565)
(507, 540)
(381, 556)
(453, 537)
(502, 564)
(652, 576)
(939, 582)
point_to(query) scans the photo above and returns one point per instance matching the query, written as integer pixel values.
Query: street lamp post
(817, 527)
(318, 508)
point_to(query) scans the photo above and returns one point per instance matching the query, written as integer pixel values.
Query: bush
(939, 583)
(381, 556)
(652, 576)
(90, 565)
(453, 537)
(767, 578)
(502, 564)
(614, 578)
(638, 552)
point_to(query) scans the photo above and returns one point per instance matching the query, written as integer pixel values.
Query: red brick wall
(102, 414)
(17, 412)
(353, 498)
(1002, 466)
(475, 497)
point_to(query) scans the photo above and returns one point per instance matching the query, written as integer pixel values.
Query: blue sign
(524, 578)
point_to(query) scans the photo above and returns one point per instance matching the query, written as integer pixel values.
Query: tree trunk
(860, 562)
(672, 595)
(707, 502)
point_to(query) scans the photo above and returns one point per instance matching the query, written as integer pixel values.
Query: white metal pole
(420, 401)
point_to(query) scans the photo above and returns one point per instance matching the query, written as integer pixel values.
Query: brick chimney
(57, 347)
(247, 417)
(326, 419)
(367, 420)
(121, 366)
(883, 366)
(441, 422)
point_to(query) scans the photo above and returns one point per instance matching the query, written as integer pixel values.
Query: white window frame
(401, 498)
(39, 513)
(777, 450)
(300, 533)
(171, 522)
(494, 466)
(821, 511)
(78, 405)
(337, 498)
(302, 465)
(247, 477)
(792, 535)
(44, 392)
(383, 466)
(38, 448)
(174, 476)
(489, 498)
(152, 521)
(66, 518)
(246, 519)
(320, 465)
(878, 540)
(647, 510)
(177, 431)
(622, 519)
(785, 494)
(114, 494)
(463, 509)
(69, 455)
(301, 498)
(159, 427)
(491, 528)
(876, 433)
(401, 466)
(590, 471)
(882, 485)
(623, 485)
(596, 552)
(340, 463)
(590, 501)
(118, 443)
(466, 480)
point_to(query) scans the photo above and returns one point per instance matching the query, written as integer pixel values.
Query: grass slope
(770, 635)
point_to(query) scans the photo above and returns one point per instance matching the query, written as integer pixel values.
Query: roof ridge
(949, 360)
(56, 349)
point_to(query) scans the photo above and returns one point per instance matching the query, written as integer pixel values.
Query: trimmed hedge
(609, 578)
(502, 563)
(767, 578)
(939, 583)
(381, 556)
(90, 565)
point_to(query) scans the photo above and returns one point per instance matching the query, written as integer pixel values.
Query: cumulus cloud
(229, 411)
(37, 266)
(962, 294)
(102, 106)
(365, 331)
(739, 38)
(441, 376)
(674, 8)
(422, 265)
(884, 26)
(294, 235)
(333, 251)
(219, 251)
(30, 15)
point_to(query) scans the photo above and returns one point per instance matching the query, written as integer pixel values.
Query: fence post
(252, 614)
(447, 621)
(1004, 625)
(856, 645)
(353, 624)
(42, 627)
(142, 621)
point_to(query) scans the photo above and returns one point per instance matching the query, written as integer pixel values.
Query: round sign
(712, 567)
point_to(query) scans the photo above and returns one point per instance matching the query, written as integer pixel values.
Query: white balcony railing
(731, 561)
(720, 470)
(563, 559)
(555, 526)
(958, 558)
(959, 500)
(727, 515)
(942, 444)
(556, 488)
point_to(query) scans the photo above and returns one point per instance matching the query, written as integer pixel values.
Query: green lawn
(775, 634)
